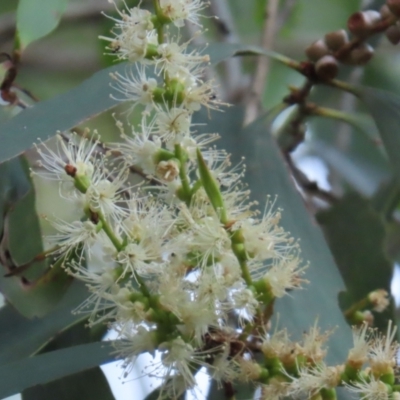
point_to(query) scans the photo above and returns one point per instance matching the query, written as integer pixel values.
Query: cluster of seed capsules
(337, 47)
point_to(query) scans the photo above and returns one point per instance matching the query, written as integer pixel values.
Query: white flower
(179, 363)
(209, 240)
(196, 314)
(140, 148)
(285, 275)
(135, 87)
(104, 193)
(197, 94)
(266, 239)
(139, 258)
(176, 60)
(369, 389)
(224, 368)
(379, 299)
(132, 34)
(359, 352)
(135, 340)
(382, 352)
(180, 10)
(312, 379)
(78, 236)
(245, 304)
(276, 389)
(173, 124)
(70, 158)
(313, 342)
(100, 283)
(279, 345)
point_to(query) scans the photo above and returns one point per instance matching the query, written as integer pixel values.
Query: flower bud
(393, 34)
(168, 170)
(394, 7)
(362, 23)
(317, 50)
(360, 55)
(336, 40)
(327, 67)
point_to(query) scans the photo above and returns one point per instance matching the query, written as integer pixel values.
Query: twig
(285, 13)
(263, 64)
(308, 186)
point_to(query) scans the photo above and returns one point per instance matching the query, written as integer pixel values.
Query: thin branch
(309, 187)
(263, 63)
(285, 13)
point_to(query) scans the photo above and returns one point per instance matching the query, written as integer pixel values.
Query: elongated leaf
(385, 109)
(356, 234)
(21, 337)
(14, 184)
(20, 375)
(87, 100)
(243, 391)
(39, 288)
(90, 384)
(267, 174)
(37, 18)
(86, 384)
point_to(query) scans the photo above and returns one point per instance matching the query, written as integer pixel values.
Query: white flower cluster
(192, 255)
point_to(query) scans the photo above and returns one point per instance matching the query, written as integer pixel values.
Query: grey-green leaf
(90, 384)
(37, 18)
(21, 337)
(356, 234)
(20, 375)
(385, 110)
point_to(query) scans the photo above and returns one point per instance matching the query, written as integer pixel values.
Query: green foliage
(83, 385)
(37, 18)
(20, 375)
(37, 288)
(385, 109)
(358, 229)
(356, 234)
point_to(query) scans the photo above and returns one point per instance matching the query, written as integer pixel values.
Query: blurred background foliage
(358, 207)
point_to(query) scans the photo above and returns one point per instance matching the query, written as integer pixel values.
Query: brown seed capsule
(317, 50)
(362, 23)
(393, 34)
(336, 40)
(385, 12)
(327, 67)
(360, 55)
(394, 7)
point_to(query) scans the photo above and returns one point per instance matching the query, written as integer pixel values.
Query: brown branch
(254, 103)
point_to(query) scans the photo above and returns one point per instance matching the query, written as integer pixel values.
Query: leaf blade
(37, 18)
(20, 375)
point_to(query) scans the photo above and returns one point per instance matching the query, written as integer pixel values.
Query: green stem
(109, 232)
(187, 191)
(160, 25)
(359, 306)
(245, 272)
(343, 86)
